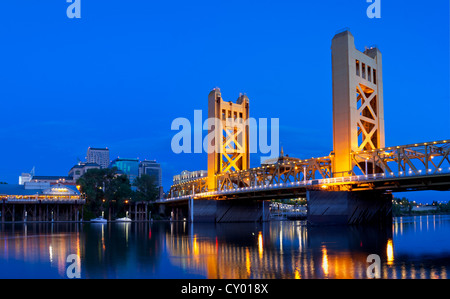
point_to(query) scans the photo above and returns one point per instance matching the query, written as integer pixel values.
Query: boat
(99, 220)
(124, 219)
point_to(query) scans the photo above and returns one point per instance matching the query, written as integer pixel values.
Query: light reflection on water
(414, 247)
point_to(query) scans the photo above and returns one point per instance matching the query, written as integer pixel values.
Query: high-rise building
(130, 167)
(99, 156)
(151, 168)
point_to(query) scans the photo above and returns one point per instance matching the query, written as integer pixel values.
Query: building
(81, 168)
(99, 156)
(53, 179)
(186, 176)
(151, 168)
(40, 202)
(26, 177)
(130, 167)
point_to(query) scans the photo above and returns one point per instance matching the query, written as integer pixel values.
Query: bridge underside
(220, 211)
(341, 207)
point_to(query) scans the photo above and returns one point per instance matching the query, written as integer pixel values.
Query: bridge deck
(380, 181)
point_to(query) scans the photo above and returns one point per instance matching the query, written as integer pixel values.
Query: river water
(414, 247)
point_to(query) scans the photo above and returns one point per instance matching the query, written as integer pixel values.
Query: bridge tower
(228, 136)
(358, 115)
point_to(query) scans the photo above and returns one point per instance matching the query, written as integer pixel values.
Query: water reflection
(414, 247)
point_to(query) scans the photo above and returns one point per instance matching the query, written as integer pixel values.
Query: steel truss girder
(428, 157)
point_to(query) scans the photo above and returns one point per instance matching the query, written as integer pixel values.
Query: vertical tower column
(358, 114)
(228, 136)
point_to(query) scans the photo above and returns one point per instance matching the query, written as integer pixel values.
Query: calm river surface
(415, 247)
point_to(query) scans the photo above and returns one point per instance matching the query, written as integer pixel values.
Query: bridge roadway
(389, 182)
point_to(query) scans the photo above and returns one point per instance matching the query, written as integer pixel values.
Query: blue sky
(122, 73)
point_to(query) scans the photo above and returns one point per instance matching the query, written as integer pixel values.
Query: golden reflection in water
(390, 252)
(195, 249)
(325, 261)
(248, 263)
(260, 245)
(206, 256)
(297, 274)
(225, 260)
(35, 244)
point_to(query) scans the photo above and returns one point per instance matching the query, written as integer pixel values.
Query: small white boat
(99, 220)
(124, 219)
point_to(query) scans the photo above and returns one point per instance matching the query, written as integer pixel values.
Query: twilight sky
(121, 74)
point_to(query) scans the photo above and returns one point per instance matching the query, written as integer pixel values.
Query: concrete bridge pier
(232, 210)
(211, 210)
(349, 207)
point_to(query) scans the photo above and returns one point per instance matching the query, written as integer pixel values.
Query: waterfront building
(53, 179)
(26, 176)
(32, 192)
(186, 176)
(98, 155)
(81, 168)
(130, 167)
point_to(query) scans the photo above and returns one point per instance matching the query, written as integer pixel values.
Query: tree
(104, 189)
(147, 188)
(117, 191)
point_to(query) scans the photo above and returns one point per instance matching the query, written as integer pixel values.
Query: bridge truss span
(412, 159)
(420, 166)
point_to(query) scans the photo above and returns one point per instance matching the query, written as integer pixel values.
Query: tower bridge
(353, 184)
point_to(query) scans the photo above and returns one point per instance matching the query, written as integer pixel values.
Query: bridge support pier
(237, 210)
(348, 208)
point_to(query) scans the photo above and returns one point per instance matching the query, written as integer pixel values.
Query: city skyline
(279, 57)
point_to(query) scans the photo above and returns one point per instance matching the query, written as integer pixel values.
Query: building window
(357, 67)
(374, 76)
(363, 70)
(369, 73)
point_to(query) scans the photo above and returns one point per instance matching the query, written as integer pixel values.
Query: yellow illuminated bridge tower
(358, 116)
(228, 136)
